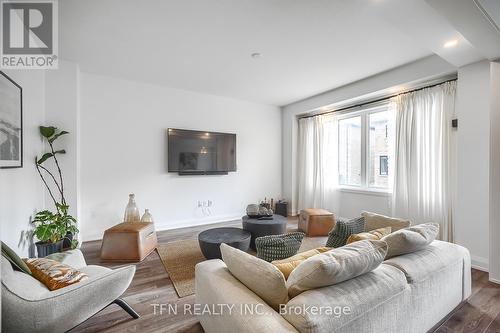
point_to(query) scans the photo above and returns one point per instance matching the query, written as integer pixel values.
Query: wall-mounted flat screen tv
(200, 152)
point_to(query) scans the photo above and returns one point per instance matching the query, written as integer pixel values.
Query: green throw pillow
(277, 247)
(14, 259)
(343, 229)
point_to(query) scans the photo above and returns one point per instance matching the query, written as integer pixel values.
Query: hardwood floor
(151, 285)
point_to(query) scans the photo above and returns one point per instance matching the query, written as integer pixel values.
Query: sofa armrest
(215, 285)
(73, 258)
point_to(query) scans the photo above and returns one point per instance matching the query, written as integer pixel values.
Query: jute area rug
(179, 259)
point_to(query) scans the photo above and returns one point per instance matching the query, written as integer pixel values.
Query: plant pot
(43, 249)
(67, 241)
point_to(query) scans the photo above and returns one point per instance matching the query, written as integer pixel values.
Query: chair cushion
(411, 239)
(261, 277)
(53, 274)
(375, 221)
(343, 229)
(14, 259)
(277, 247)
(336, 266)
(22, 284)
(286, 266)
(376, 234)
(385, 284)
(95, 271)
(419, 265)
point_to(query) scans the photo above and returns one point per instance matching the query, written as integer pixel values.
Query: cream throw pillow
(411, 239)
(376, 234)
(336, 266)
(376, 221)
(286, 266)
(261, 277)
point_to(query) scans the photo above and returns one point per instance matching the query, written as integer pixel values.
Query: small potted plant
(54, 230)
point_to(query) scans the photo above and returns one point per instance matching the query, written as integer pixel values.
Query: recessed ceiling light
(256, 55)
(451, 43)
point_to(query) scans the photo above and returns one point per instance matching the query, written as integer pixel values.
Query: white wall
(62, 111)
(353, 203)
(21, 191)
(472, 207)
(398, 78)
(123, 150)
(494, 262)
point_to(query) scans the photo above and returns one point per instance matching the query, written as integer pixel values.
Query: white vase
(131, 211)
(147, 217)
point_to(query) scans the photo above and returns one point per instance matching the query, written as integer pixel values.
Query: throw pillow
(374, 235)
(286, 266)
(343, 229)
(277, 247)
(336, 266)
(14, 259)
(261, 277)
(53, 274)
(376, 221)
(411, 239)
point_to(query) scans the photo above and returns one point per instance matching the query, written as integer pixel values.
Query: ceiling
(306, 47)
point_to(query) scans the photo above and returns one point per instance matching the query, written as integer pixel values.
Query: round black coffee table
(259, 228)
(211, 239)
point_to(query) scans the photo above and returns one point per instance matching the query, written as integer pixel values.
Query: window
(350, 151)
(384, 166)
(366, 147)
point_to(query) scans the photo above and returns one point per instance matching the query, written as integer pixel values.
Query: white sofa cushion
(419, 265)
(259, 276)
(376, 221)
(384, 288)
(336, 266)
(410, 239)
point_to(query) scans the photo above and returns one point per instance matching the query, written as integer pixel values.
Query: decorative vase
(147, 217)
(131, 211)
(44, 249)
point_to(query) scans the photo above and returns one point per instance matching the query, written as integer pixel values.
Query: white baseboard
(480, 263)
(197, 222)
(494, 281)
(178, 225)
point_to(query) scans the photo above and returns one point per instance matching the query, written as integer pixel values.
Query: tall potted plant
(58, 229)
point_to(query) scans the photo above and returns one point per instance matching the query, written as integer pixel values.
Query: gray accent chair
(28, 306)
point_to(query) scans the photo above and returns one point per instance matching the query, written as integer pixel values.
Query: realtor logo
(29, 34)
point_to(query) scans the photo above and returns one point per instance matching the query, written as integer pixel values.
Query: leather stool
(316, 221)
(128, 241)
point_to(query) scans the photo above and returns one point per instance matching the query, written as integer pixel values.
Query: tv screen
(199, 152)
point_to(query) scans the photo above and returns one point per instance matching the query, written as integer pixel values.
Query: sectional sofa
(411, 293)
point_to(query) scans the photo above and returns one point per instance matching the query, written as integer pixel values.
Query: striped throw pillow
(343, 229)
(53, 274)
(277, 247)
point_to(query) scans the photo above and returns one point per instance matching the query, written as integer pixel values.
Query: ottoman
(211, 239)
(259, 228)
(316, 222)
(128, 241)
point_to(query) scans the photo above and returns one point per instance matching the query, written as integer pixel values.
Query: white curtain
(317, 162)
(423, 168)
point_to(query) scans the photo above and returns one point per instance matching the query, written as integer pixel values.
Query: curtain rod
(376, 100)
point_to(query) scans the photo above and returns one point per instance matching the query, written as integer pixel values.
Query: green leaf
(44, 158)
(62, 151)
(47, 131)
(57, 135)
